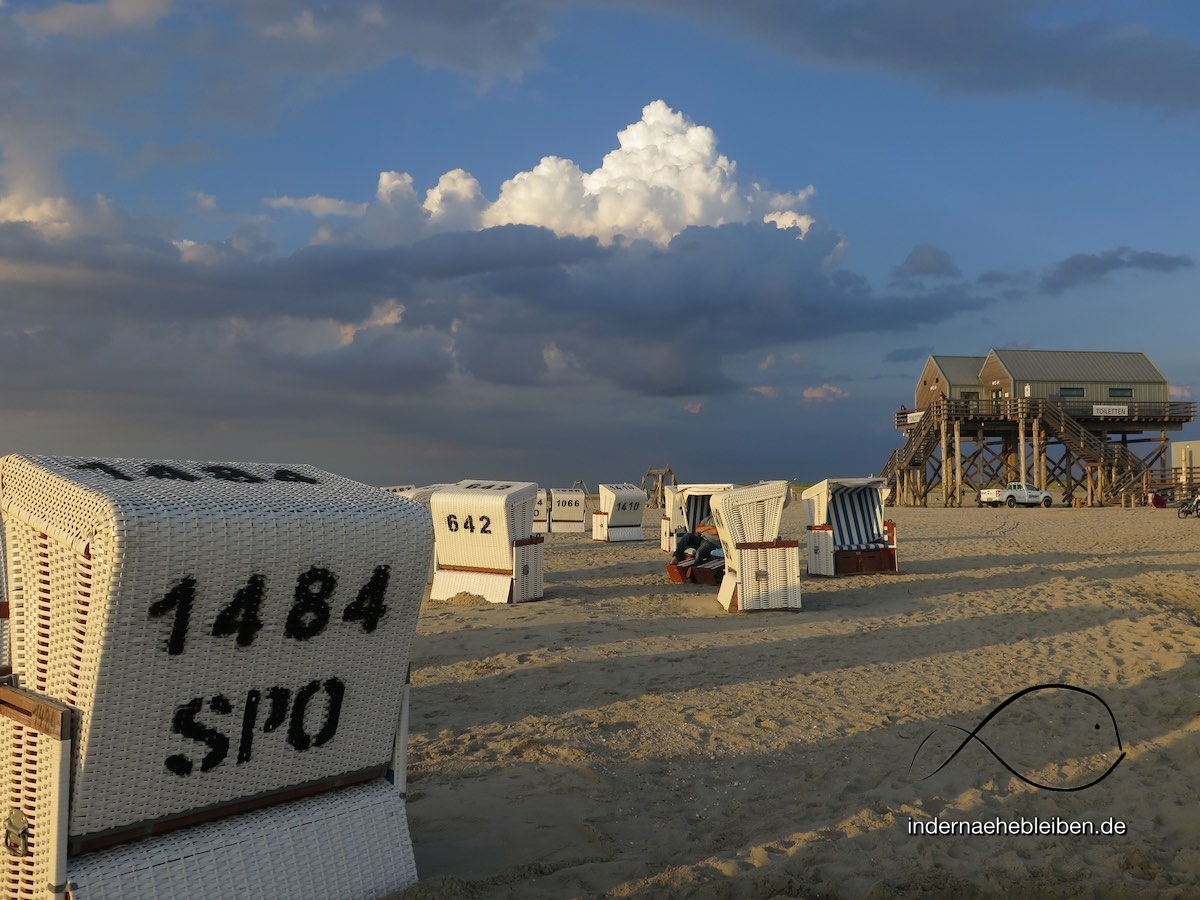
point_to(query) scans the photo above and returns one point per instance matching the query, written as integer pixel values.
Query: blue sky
(543, 240)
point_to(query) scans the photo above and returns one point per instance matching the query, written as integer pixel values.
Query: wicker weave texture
(352, 844)
(750, 514)
(476, 522)
(529, 565)
(626, 533)
(35, 779)
(767, 578)
(820, 553)
(224, 629)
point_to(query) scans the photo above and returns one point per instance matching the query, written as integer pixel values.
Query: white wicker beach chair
(401, 489)
(672, 518)
(541, 512)
(685, 507)
(619, 517)
(761, 571)
(569, 511)
(485, 543)
(221, 633)
(420, 494)
(847, 534)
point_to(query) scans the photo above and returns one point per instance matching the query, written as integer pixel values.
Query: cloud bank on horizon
(664, 285)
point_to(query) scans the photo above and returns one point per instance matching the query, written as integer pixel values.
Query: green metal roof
(960, 369)
(1079, 366)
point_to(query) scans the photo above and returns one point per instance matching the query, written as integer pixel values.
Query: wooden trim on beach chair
(481, 570)
(764, 545)
(43, 714)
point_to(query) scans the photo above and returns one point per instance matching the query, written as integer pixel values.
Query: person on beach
(703, 541)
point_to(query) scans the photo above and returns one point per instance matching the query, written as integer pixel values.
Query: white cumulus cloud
(665, 175)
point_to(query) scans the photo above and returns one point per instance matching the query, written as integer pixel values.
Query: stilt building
(1091, 425)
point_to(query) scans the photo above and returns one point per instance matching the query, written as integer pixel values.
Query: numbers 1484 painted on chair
(241, 617)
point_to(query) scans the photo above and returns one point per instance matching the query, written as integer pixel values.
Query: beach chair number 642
(468, 524)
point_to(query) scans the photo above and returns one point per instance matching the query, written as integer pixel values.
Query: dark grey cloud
(509, 306)
(472, 36)
(259, 61)
(908, 354)
(248, 65)
(501, 332)
(924, 261)
(280, 53)
(1094, 268)
(993, 278)
(661, 321)
(407, 336)
(975, 46)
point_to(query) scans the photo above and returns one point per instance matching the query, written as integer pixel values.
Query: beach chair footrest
(680, 572)
(709, 573)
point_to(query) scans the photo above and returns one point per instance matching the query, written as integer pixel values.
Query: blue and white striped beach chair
(847, 534)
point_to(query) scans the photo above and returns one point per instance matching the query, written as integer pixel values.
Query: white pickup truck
(1014, 493)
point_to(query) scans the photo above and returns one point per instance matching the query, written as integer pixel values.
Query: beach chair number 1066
(468, 524)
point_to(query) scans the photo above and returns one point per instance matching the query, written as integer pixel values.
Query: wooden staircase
(916, 450)
(1094, 450)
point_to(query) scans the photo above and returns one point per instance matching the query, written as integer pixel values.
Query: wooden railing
(916, 449)
(1017, 407)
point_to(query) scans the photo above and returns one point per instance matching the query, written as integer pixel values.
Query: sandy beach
(626, 737)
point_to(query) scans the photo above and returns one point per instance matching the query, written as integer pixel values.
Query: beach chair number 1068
(468, 524)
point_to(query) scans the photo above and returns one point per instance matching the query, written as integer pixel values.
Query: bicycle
(1190, 507)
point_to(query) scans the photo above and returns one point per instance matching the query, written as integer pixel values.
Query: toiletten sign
(1109, 410)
